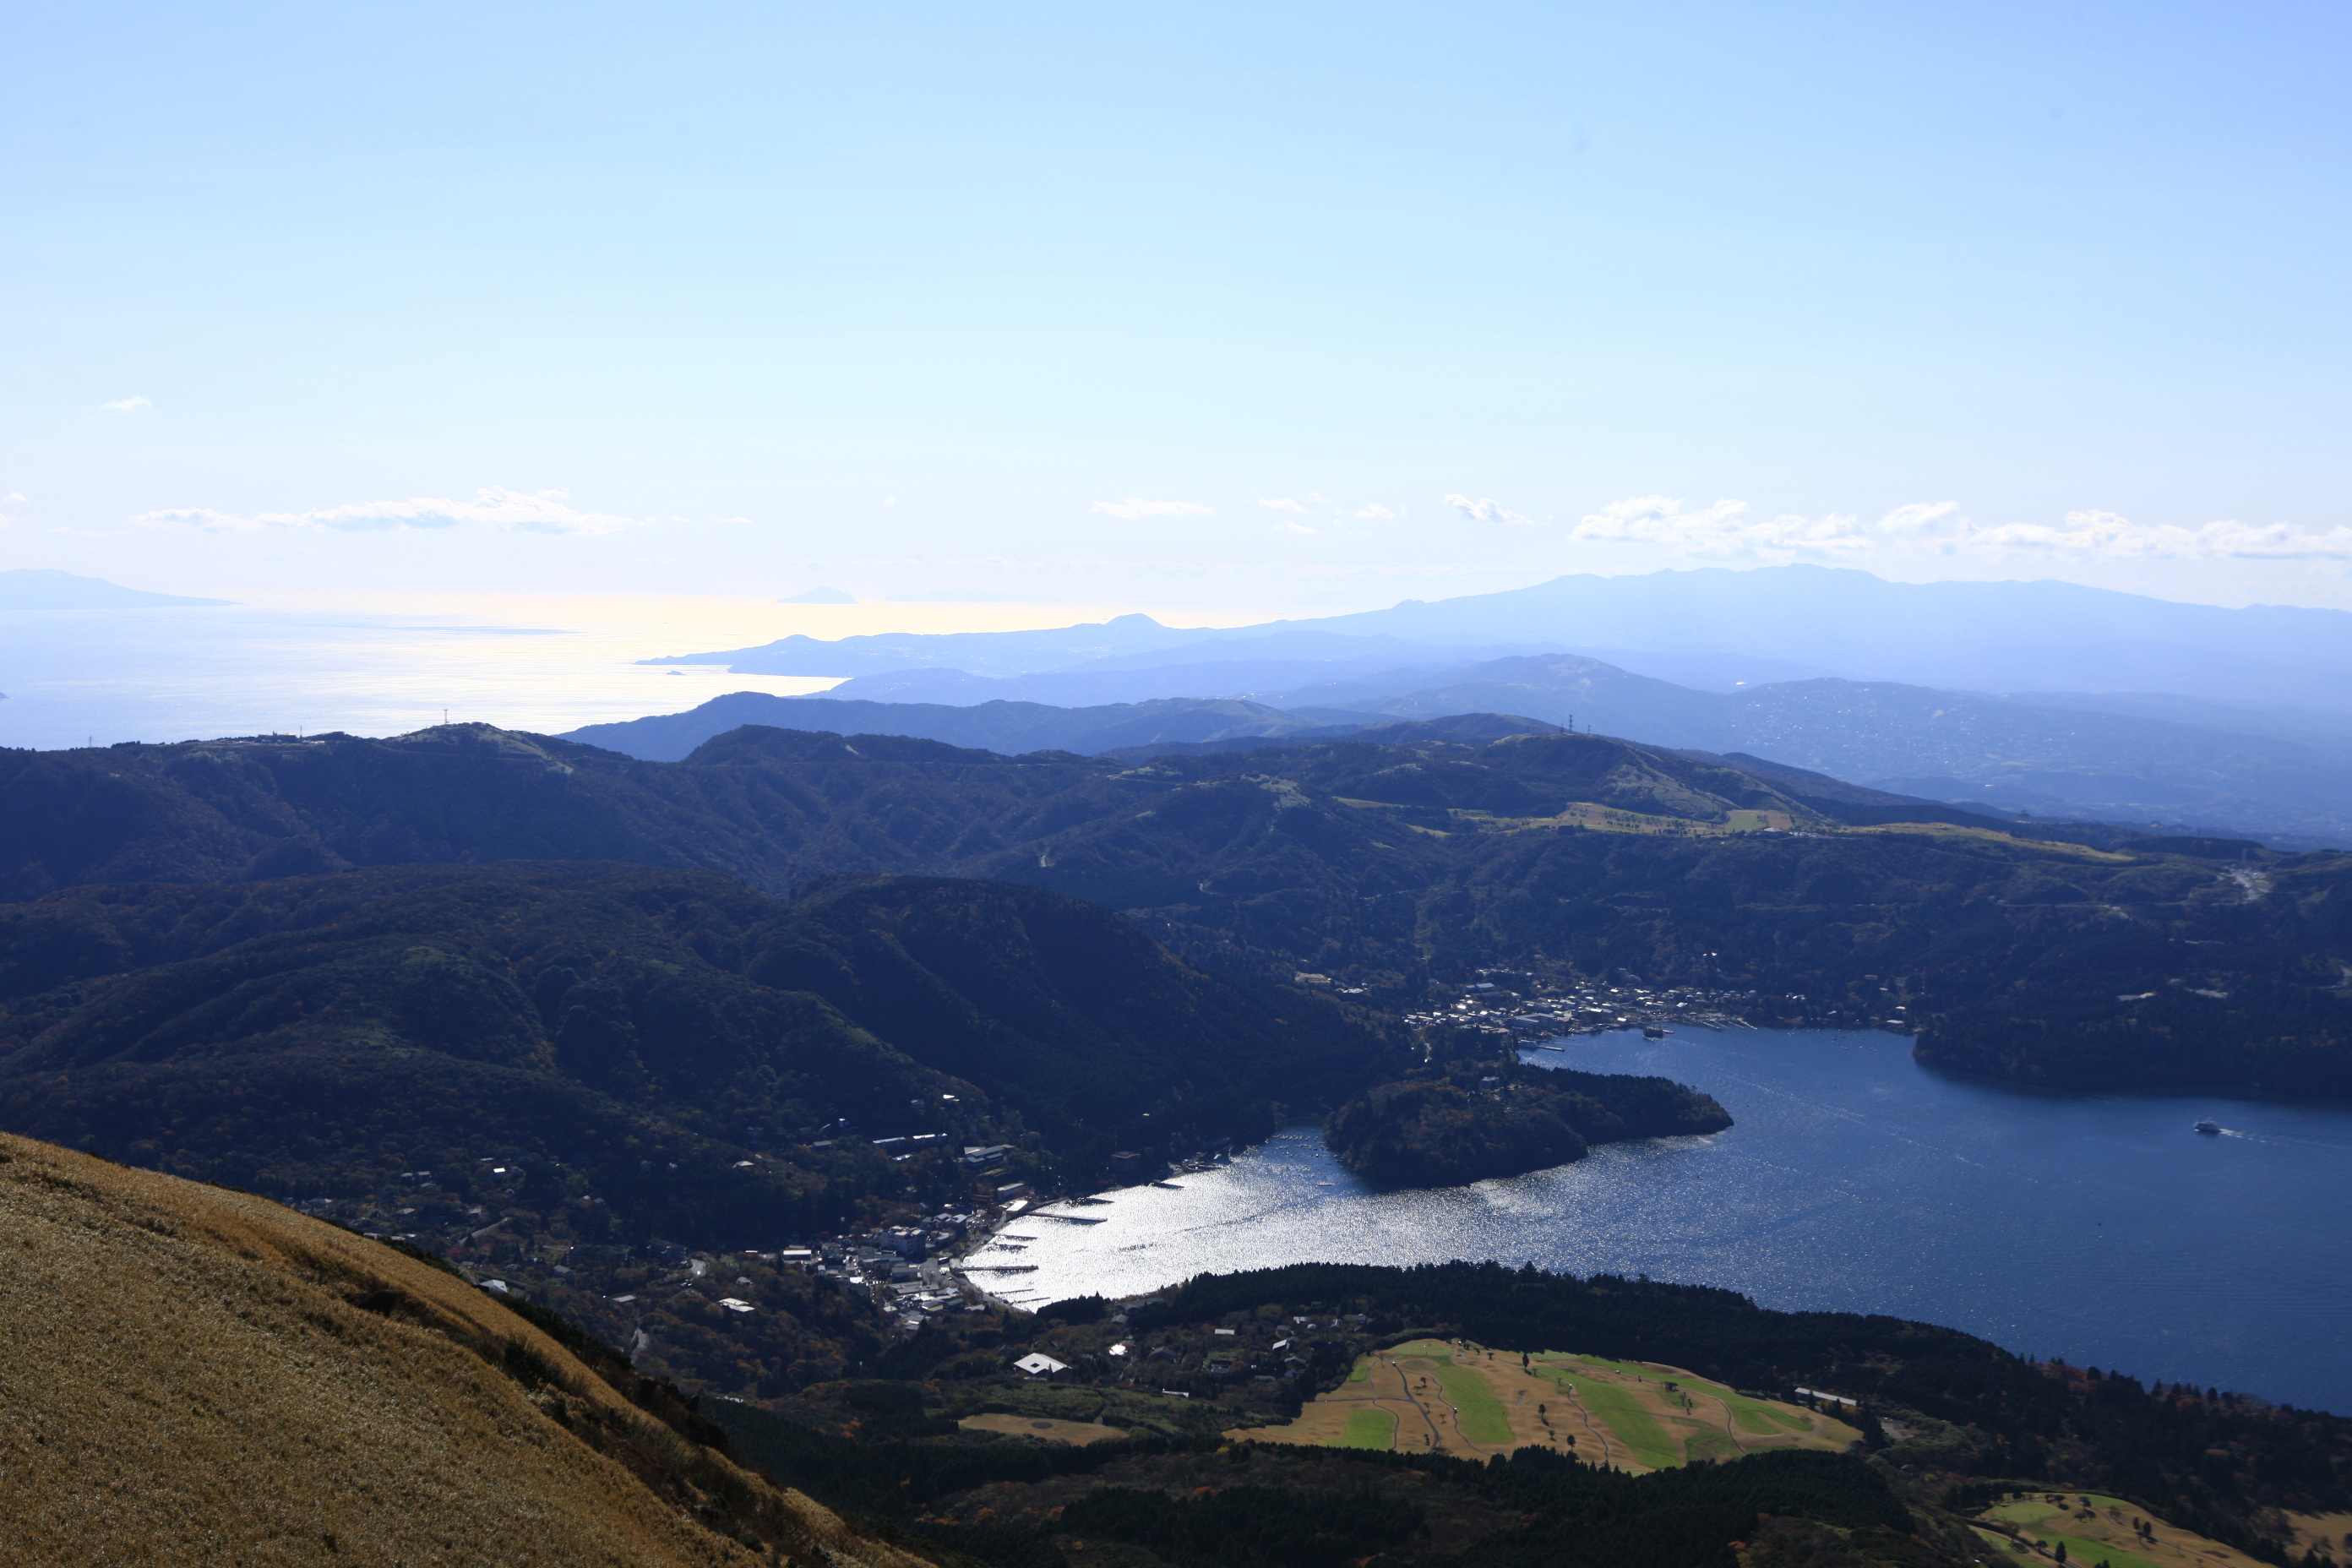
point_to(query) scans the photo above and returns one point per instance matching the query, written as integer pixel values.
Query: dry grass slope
(190, 1377)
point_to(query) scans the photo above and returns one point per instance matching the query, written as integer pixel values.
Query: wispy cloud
(1310, 499)
(1488, 511)
(2087, 535)
(131, 405)
(496, 507)
(1731, 530)
(1136, 506)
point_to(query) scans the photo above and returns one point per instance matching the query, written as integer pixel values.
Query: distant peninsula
(42, 588)
(1470, 1124)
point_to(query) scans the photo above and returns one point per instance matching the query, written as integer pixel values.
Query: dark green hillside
(772, 807)
(629, 1035)
(1387, 865)
(1093, 1032)
(1530, 776)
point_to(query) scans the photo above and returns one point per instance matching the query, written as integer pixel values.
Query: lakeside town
(683, 1312)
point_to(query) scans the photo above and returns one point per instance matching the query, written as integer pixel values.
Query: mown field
(1468, 1401)
(2096, 1529)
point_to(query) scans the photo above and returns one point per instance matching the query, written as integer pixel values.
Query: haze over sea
(389, 663)
(2098, 1229)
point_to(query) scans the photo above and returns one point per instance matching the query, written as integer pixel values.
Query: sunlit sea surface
(2095, 1227)
(388, 664)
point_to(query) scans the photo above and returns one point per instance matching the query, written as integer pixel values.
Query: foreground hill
(198, 1376)
(610, 1045)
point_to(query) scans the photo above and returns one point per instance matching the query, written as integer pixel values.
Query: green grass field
(1752, 1415)
(1483, 1419)
(1361, 1370)
(1369, 1429)
(1709, 1445)
(2092, 1554)
(1622, 1414)
(1748, 1415)
(2038, 1519)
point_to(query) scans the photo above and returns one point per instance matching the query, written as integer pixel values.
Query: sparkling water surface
(2096, 1227)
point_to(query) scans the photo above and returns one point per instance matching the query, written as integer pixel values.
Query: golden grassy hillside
(193, 1375)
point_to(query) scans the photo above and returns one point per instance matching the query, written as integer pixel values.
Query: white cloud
(1376, 510)
(133, 405)
(1488, 510)
(1136, 506)
(1724, 531)
(1732, 530)
(1281, 503)
(496, 507)
(1728, 531)
(2111, 535)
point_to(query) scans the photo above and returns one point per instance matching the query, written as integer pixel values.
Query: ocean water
(388, 664)
(2095, 1227)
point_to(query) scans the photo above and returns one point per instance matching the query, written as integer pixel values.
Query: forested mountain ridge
(667, 1043)
(1009, 727)
(1385, 866)
(774, 808)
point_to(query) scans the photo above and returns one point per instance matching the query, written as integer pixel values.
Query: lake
(2093, 1227)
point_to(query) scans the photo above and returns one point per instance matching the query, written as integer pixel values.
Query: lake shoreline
(1853, 1179)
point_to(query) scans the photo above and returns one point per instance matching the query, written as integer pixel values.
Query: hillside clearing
(1463, 1400)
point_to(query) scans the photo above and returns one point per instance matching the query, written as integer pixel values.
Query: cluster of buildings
(1507, 1002)
(901, 1268)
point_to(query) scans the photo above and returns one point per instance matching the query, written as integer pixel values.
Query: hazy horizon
(1276, 312)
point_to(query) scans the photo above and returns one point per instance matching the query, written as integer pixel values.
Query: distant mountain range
(2043, 698)
(39, 588)
(2060, 756)
(1709, 627)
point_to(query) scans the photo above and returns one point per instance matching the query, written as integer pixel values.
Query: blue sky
(1058, 298)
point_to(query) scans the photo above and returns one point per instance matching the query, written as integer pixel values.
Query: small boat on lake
(2209, 1125)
